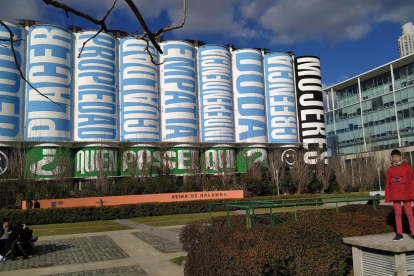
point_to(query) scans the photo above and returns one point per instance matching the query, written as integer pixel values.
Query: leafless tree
(276, 163)
(323, 173)
(301, 172)
(225, 168)
(337, 166)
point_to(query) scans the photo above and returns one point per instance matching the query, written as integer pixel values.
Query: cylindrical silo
(5, 159)
(249, 96)
(309, 100)
(178, 86)
(139, 160)
(139, 95)
(96, 160)
(50, 70)
(96, 96)
(11, 84)
(44, 161)
(179, 160)
(248, 157)
(215, 94)
(280, 98)
(218, 159)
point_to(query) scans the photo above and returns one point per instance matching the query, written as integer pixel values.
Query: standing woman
(399, 187)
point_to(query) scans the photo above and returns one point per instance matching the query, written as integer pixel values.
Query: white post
(379, 178)
(277, 181)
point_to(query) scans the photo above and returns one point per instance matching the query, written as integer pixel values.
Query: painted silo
(50, 70)
(215, 94)
(96, 160)
(139, 160)
(178, 86)
(5, 159)
(45, 161)
(218, 159)
(280, 98)
(96, 96)
(11, 84)
(139, 95)
(249, 96)
(247, 157)
(309, 97)
(181, 159)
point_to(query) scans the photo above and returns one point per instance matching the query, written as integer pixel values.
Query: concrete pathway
(105, 253)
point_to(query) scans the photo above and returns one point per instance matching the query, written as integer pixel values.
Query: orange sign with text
(134, 199)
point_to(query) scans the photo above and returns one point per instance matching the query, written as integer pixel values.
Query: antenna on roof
(27, 22)
(74, 28)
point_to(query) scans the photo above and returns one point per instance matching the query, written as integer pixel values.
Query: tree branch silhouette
(12, 41)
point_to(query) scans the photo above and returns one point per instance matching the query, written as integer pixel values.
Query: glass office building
(373, 111)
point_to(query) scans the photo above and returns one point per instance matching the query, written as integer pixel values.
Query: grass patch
(71, 231)
(76, 228)
(181, 219)
(179, 260)
(75, 224)
(288, 209)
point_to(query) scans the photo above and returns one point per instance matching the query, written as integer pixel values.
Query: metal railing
(250, 206)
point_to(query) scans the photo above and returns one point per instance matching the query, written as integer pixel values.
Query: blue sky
(350, 36)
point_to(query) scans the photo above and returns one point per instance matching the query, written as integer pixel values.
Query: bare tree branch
(89, 39)
(149, 52)
(169, 28)
(17, 63)
(147, 34)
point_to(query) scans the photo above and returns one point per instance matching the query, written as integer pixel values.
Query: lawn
(179, 260)
(76, 228)
(181, 219)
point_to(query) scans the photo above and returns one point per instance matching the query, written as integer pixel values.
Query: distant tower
(406, 40)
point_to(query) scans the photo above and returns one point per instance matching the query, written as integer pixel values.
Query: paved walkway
(141, 251)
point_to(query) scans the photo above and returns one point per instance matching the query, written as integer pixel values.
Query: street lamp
(277, 181)
(379, 178)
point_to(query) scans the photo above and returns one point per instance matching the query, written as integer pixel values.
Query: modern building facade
(373, 111)
(406, 40)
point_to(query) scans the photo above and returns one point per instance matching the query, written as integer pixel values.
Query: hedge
(312, 245)
(79, 214)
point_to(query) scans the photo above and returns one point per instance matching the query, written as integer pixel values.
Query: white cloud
(280, 21)
(21, 9)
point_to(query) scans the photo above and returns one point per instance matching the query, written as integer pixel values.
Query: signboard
(134, 199)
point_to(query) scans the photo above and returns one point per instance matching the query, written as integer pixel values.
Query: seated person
(23, 238)
(6, 238)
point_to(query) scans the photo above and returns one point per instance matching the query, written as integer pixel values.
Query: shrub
(78, 214)
(288, 249)
(312, 245)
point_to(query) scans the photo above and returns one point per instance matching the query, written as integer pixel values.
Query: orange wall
(133, 199)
